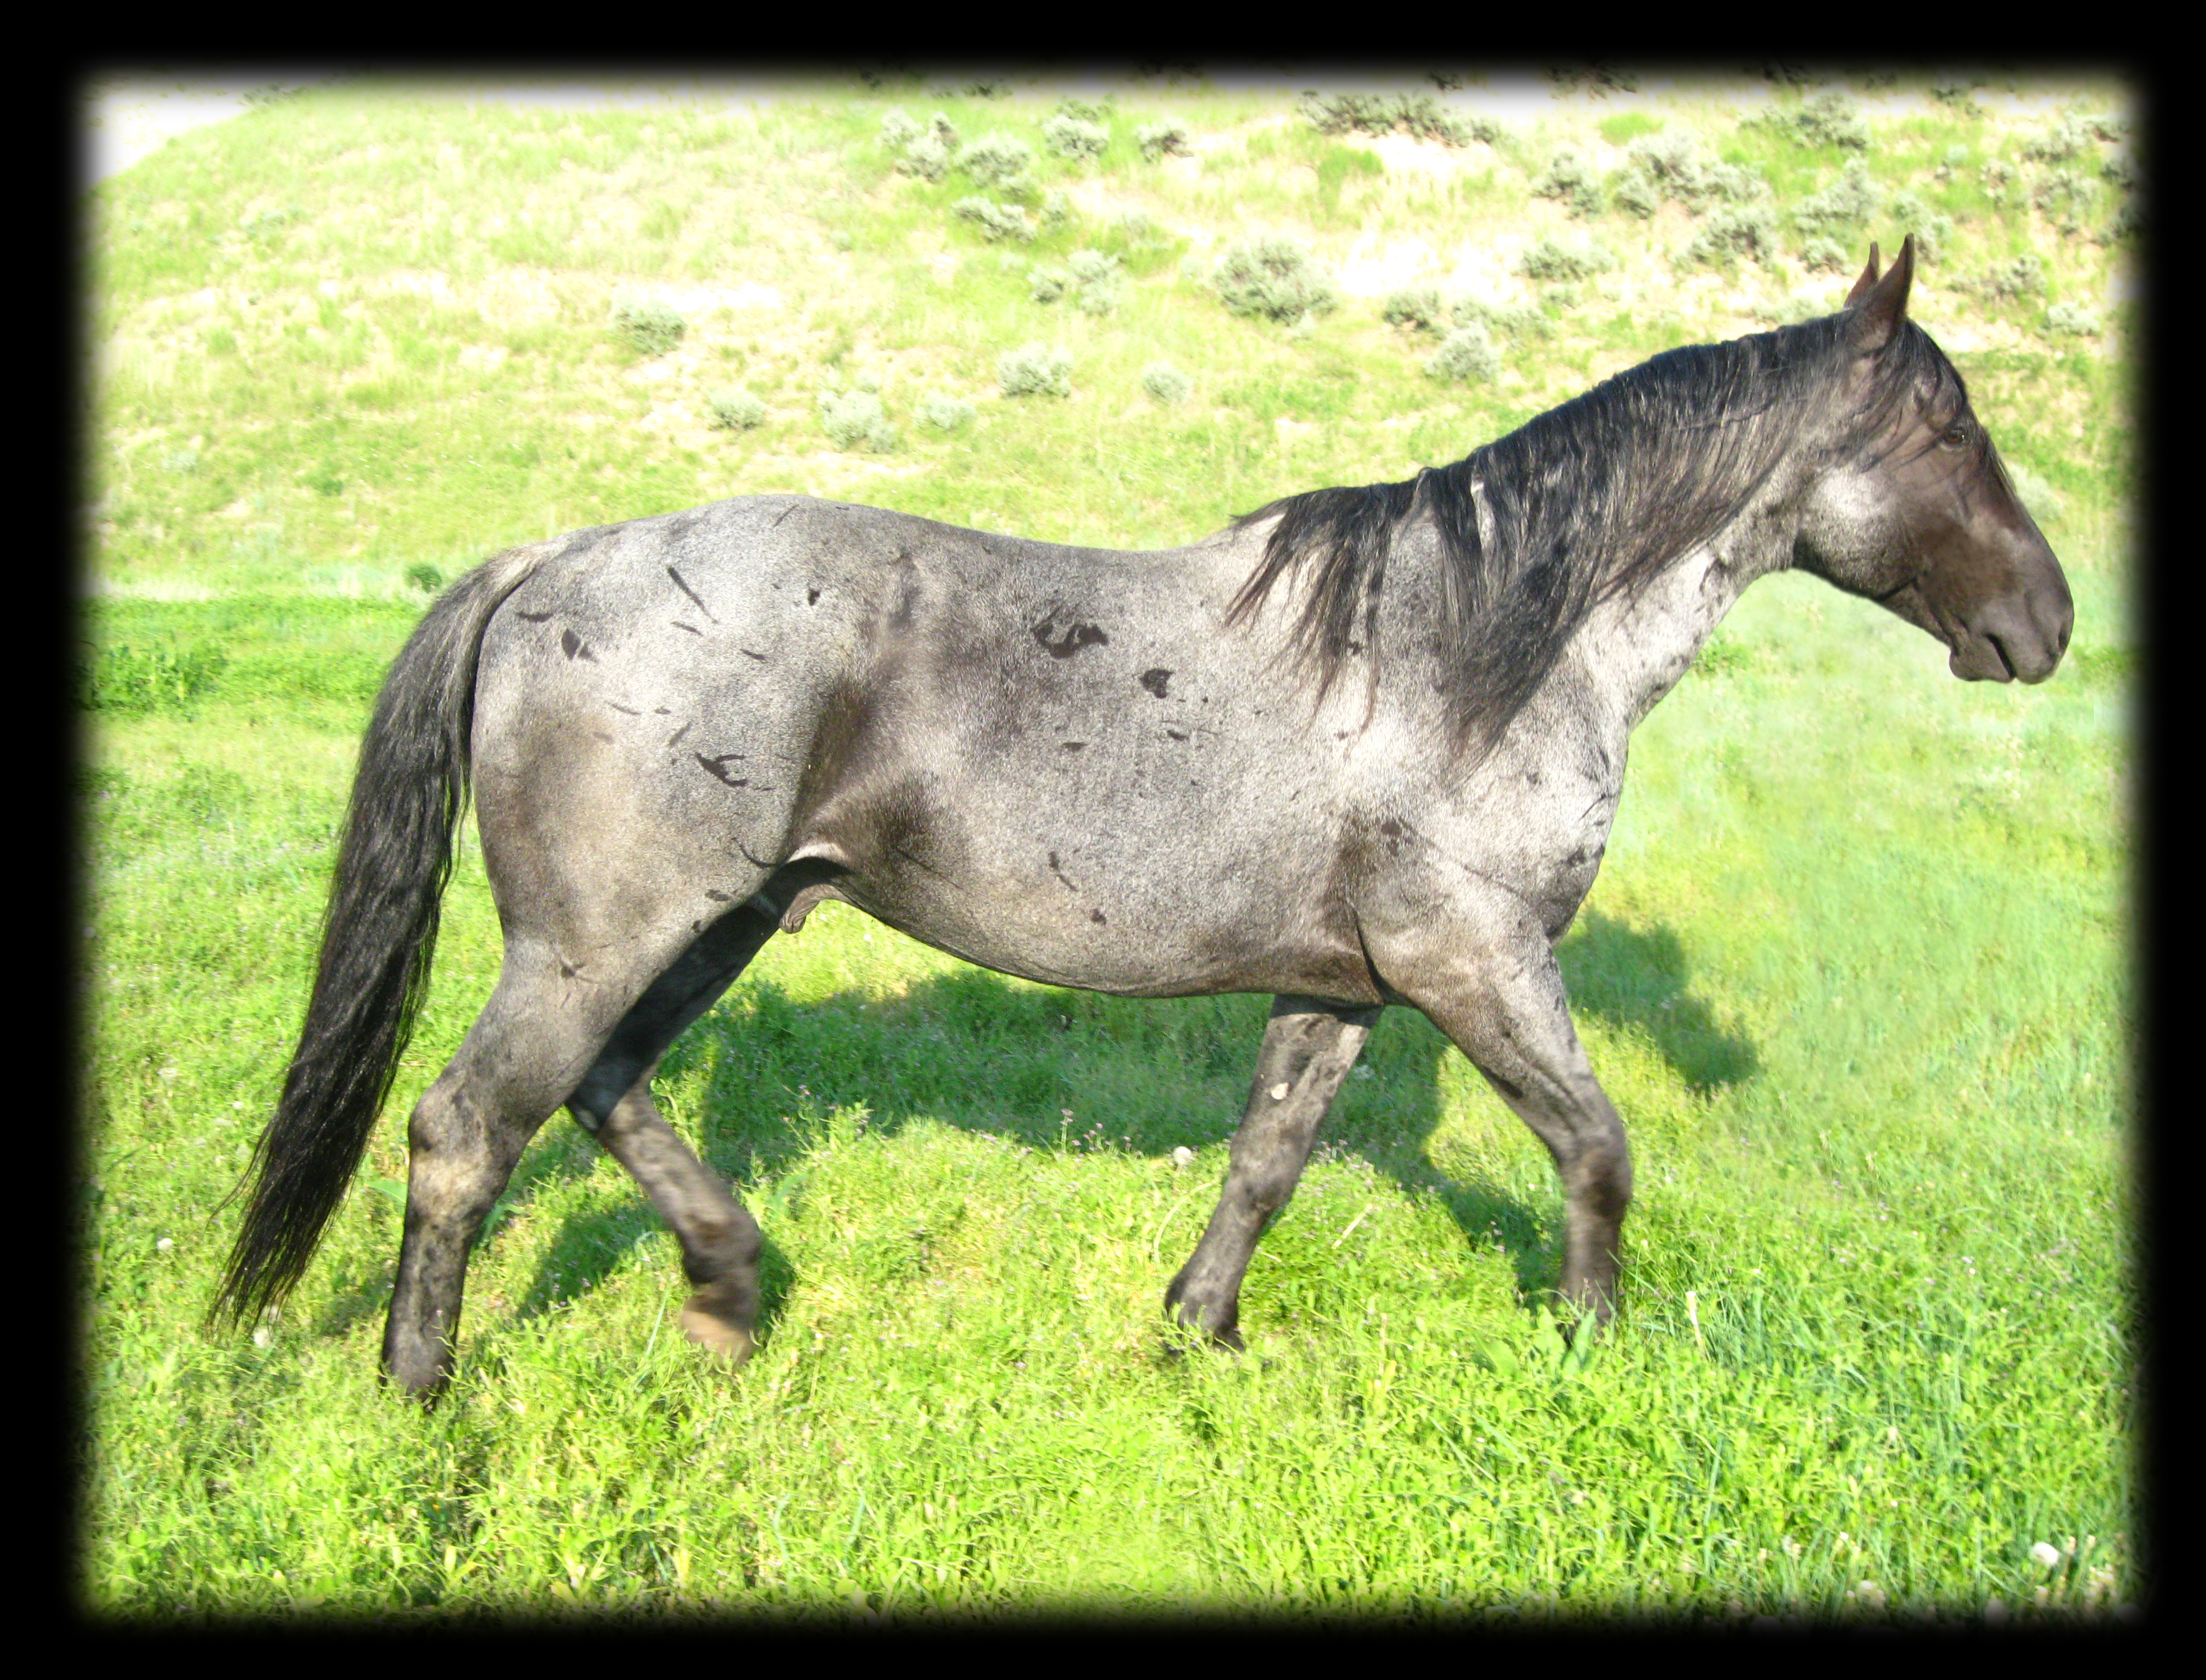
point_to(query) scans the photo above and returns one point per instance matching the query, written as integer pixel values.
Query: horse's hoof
(729, 1342)
(1183, 1337)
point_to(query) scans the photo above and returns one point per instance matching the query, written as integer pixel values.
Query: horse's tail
(378, 936)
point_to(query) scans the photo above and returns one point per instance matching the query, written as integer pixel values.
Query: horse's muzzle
(2019, 637)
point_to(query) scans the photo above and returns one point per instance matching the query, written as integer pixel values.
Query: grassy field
(1857, 971)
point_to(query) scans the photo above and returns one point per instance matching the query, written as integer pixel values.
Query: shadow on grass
(1056, 1070)
(1638, 979)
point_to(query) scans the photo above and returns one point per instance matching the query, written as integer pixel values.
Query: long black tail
(378, 936)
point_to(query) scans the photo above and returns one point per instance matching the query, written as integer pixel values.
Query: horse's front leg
(1309, 1048)
(1479, 964)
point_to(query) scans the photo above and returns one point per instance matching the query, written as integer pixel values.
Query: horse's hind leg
(549, 1035)
(520, 1059)
(1484, 972)
(719, 1239)
(1309, 1048)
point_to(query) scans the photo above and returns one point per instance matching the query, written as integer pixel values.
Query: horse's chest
(1567, 833)
(1539, 824)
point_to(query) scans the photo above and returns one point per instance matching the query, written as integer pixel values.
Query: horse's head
(1918, 515)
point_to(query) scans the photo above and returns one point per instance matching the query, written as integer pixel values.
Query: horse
(1361, 748)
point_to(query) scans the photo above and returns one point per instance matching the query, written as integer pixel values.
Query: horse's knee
(436, 1125)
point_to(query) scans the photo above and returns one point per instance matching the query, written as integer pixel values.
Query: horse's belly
(1164, 914)
(1124, 964)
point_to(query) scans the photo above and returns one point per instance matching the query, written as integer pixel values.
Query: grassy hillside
(353, 330)
(1855, 971)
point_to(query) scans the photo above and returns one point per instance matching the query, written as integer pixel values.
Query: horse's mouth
(1979, 657)
(1976, 668)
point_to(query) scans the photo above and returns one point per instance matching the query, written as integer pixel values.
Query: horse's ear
(1882, 309)
(1867, 279)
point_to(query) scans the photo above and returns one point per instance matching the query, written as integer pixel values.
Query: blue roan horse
(1361, 747)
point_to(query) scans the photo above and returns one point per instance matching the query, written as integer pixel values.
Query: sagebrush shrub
(425, 577)
(1467, 352)
(2066, 138)
(1095, 287)
(1827, 119)
(1034, 369)
(899, 129)
(1634, 192)
(1840, 208)
(944, 412)
(1934, 235)
(1500, 320)
(854, 416)
(931, 154)
(1570, 178)
(1673, 165)
(1547, 259)
(2021, 277)
(926, 158)
(1820, 256)
(1737, 230)
(999, 163)
(2072, 320)
(1047, 285)
(997, 221)
(2060, 196)
(1156, 139)
(1273, 277)
(1166, 383)
(1672, 156)
(1418, 309)
(1417, 114)
(651, 328)
(736, 410)
(1069, 136)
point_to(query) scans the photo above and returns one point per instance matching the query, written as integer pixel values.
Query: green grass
(1856, 972)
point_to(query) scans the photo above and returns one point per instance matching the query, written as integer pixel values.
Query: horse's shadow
(1051, 1069)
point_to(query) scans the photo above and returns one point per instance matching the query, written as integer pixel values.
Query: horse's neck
(1634, 648)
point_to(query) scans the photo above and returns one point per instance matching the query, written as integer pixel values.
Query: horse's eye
(1956, 435)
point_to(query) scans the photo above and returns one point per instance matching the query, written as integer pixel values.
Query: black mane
(1585, 502)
